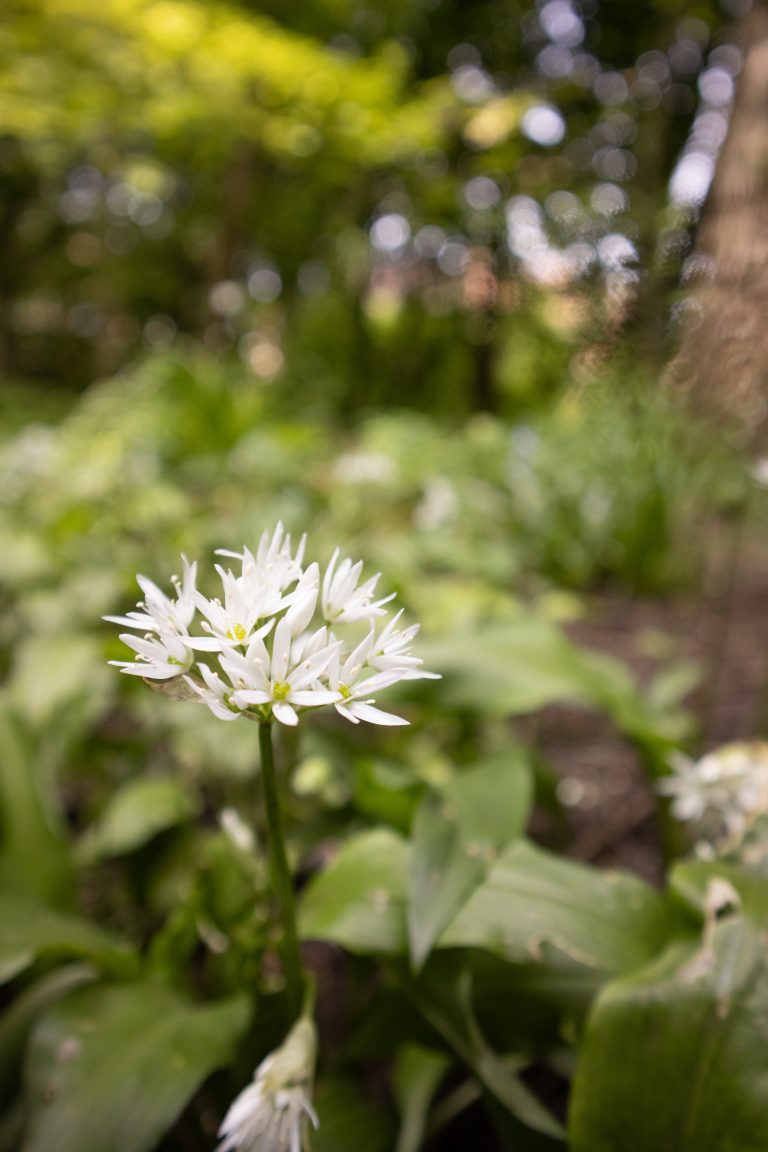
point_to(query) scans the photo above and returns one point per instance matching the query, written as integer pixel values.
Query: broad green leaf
(456, 837)
(516, 667)
(350, 1121)
(17, 1020)
(416, 1077)
(58, 679)
(35, 857)
(492, 801)
(29, 930)
(530, 1006)
(441, 877)
(136, 813)
(673, 1058)
(446, 1000)
(523, 665)
(111, 1068)
(386, 793)
(359, 900)
(534, 905)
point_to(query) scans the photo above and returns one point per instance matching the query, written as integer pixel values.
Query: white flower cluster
(722, 794)
(271, 1114)
(271, 635)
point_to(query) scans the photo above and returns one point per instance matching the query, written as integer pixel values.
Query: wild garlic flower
(264, 648)
(343, 602)
(722, 795)
(272, 1114)
(158, 613)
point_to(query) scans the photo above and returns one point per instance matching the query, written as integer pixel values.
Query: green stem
(281, 875)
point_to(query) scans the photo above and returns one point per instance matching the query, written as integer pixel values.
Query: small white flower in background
(438, 505)
(722, 794)
(264, 649)
(272, 1114)
(364, 468)
(759, 472)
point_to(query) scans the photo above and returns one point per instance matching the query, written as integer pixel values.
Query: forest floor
(722, 629)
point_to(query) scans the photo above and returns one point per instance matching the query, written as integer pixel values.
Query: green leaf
(416, 1078)
(446, 1000)
(455, 839)
(534, 905)
(35, 857)
(530, 1006)
(386, 793)
(523, 665)
(136, 813)
(441, 877)
(17, 1020)
(111, 1068)
(349, 1119)
(513, 668)
(672, 1059)
(672, 684)
(59, 679)
(359, 900)
(29, 930)
(492, 801)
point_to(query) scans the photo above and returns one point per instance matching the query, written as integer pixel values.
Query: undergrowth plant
(256, 899)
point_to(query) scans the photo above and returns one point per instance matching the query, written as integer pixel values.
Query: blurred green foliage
(416, 203)
(121, 790)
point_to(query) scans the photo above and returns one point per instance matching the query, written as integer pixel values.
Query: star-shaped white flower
(272, 1113)
(723, 791)
(158, 611)
(272, 566)
(215, 693)
(342, 601)
(258, 648)
(355, 699)
(279, 680)
(391, 651)
(161, 655)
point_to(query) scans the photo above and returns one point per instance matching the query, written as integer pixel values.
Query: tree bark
(723, 357)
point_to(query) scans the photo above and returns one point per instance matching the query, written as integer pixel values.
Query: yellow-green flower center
(237, 633)
(345, 692)
(280, 691)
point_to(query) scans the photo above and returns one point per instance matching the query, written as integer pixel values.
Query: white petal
(283, 712)
(314, 699)
(133, 620)
(344, 711)
(206, 643)
(146, 671)
(281, 650)
(375, 715)
(251, 696)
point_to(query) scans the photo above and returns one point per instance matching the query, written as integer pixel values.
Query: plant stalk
(281, 876)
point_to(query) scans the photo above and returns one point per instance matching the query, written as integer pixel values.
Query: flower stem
(281, 876)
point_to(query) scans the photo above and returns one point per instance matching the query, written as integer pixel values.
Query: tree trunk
(723, 356)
